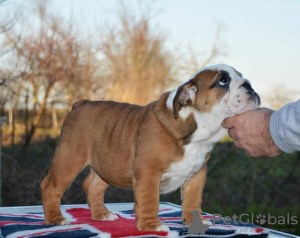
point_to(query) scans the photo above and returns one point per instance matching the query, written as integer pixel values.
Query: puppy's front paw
(60, 221)
(206, 222)
(108, 216)
(152, 226)
(162, 228)
(187, 218)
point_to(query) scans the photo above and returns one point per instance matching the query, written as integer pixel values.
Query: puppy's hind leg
(66, 165)
(95, 187)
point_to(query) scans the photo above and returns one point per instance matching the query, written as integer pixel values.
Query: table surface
(117, 207)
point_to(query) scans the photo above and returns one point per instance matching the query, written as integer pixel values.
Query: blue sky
(261, 37)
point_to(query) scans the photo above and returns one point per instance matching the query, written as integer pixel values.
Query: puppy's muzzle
(253, 95)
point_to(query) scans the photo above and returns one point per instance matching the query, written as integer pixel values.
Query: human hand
(250, 131)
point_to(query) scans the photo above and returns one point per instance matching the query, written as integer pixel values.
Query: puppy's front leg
(191, 194)
(146, 194)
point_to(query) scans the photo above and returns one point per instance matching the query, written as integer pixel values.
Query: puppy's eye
(224, 81)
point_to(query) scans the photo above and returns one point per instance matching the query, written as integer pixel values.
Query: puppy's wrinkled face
(216, 89)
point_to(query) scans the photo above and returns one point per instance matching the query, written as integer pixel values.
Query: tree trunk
(14, 115)
(37, 117)
(54, 117)
(10, 117)
(27, 112)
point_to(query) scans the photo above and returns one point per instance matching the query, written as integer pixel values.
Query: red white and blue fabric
(29, 222)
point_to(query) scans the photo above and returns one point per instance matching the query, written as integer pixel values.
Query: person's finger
(237, 144)
(231, 133)
(265, 109)
(228, 122)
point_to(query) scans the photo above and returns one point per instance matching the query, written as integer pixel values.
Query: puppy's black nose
(247, 86)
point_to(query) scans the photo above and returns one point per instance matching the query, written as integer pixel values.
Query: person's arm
(285, 127)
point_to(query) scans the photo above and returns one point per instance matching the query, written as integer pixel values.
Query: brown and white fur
(155, 149)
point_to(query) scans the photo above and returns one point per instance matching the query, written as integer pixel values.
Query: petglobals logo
(272, 220)
(260, 219)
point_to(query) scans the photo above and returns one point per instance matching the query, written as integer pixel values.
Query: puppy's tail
(79, 103)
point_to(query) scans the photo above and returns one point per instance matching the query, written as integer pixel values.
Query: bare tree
(138, 66)
(54, 53)
(6, 95)
(195, 60)
(6, 26)
(7, 75)
(280, 95)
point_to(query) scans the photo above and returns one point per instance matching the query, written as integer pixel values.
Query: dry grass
(20, 132)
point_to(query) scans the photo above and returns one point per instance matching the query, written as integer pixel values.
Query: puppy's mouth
(253, 103)
(254, 97)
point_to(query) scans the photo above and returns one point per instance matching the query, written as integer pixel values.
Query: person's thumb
(228, 123)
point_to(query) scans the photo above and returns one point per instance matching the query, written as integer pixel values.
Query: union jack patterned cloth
(29, 222)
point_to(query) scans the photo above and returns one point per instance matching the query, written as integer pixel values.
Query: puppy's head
(218, 89)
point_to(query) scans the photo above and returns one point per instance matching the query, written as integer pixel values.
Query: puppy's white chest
(179, 172)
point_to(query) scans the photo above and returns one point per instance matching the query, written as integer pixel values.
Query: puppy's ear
(184, 97)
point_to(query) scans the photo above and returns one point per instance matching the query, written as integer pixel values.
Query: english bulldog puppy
(155, 149)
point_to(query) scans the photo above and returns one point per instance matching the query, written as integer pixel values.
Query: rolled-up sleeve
(285, 127)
